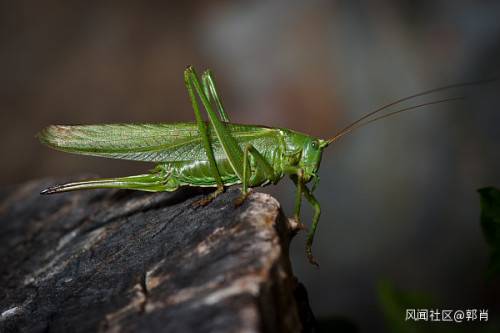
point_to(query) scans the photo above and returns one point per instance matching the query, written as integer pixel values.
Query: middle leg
(298, 180)
(261, 164)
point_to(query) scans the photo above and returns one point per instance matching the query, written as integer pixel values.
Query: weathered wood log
(108, 260)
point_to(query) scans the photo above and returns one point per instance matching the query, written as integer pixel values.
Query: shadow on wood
(112, 260)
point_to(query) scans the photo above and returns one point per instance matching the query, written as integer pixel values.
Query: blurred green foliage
(394, 303)
(490, 223)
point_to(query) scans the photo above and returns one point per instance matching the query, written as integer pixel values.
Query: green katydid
(216, 153)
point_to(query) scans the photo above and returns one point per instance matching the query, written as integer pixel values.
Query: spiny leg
(210, 88)
(299, 183)
(310, 235)
(146, 182)
(209, 197)
(298, 180)
(261, 164)
(202, 128)
(246, 177)
(229, 144)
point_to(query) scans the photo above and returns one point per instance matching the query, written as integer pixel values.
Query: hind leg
(191, 82)
(210, 197)
(152, 182)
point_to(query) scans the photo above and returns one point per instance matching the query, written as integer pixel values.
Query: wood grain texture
(110, 261)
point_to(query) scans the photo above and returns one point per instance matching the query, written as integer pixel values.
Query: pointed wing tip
(52, 134)
(44, 136)
(45, 133)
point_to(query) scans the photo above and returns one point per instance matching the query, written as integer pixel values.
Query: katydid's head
(311, 157)
(311, 149)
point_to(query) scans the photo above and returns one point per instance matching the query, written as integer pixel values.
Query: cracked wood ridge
(114, 261)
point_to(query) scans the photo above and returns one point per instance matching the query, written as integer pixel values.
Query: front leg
(298, 180)
(310, 236)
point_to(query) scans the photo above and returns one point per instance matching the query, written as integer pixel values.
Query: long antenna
(349, 128)
(410, 108)
(358, 124)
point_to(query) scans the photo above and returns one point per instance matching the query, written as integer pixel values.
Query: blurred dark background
(399, 196)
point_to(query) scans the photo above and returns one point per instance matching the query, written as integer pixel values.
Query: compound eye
(315, 144)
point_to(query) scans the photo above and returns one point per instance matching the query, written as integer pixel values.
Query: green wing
(141, 142)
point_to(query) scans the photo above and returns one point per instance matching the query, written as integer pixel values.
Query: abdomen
(198, 173)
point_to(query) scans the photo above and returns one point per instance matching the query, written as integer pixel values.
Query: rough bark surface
(108, 260)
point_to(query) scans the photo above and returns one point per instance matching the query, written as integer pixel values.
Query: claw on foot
(296, 225)
(310, 257)
(208, 199)
(241, 199)
(203, 201)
